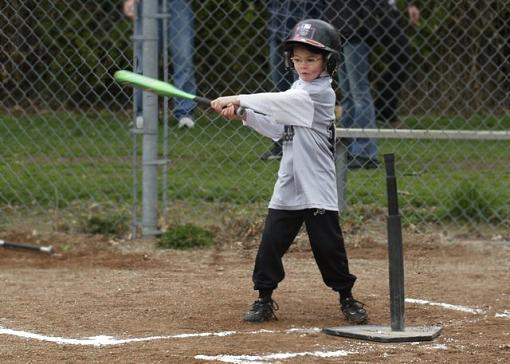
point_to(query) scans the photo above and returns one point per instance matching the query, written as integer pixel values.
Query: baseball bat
(158, 87)
(40, 248)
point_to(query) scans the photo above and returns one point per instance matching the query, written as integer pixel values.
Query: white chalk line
(104, 340)
(240, 359)
(474, 311)
(261, 359)
(254, 359)
(505, 314)
(446, 305)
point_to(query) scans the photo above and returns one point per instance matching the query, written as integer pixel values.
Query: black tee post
(395, 250)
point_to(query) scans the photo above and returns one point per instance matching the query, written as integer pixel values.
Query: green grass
(109, 224)
(57, 159)
(54, 159)
(187, 236)
(435, 177)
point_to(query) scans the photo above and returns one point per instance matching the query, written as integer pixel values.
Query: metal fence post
(164, 20)
(150, 117)
(341, 173)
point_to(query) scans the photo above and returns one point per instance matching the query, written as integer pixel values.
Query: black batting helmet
(319, 35)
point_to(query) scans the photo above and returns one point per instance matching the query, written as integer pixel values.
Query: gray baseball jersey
(305, 117)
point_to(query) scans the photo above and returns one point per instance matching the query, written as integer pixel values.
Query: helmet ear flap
(331, 64)
(288, 62)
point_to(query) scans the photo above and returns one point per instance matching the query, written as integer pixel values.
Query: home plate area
(92, 304)
(354, 348)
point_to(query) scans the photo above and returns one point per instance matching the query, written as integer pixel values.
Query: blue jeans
(357, 102)
(181, 35)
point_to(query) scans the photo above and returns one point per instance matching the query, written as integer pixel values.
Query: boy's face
(308, 65)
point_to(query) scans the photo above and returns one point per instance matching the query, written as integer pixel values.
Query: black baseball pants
(326, 240)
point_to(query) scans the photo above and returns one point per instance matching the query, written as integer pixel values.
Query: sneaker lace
(359, 303)
(272, 305)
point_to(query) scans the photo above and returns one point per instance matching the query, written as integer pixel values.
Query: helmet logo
(305, 33)
(305, 30)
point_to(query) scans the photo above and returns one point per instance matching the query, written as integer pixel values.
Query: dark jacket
(360, 19)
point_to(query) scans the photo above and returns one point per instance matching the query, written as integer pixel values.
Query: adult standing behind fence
(355, 23)
(396, 57)
(181, 35)
(283, 16)
(360, 23)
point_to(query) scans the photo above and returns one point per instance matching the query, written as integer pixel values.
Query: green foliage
(187, 236)
(65, 52)
(459, 61)
(233, 56)
(115, 224)
(470, 201)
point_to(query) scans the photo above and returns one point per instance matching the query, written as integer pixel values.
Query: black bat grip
(204, 101)
(10, 244)
(391, 184)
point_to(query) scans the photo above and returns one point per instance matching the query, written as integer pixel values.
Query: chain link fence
(71, 147)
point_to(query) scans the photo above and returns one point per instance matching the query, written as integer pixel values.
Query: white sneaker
(139, 122)
(186, 122)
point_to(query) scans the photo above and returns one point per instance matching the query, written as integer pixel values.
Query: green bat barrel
(156, 86)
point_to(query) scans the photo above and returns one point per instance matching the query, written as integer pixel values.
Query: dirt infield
(100, 301)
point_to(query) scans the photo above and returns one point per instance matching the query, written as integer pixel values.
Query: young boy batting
(304, 116)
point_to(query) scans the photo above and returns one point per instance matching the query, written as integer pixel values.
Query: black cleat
(262, 311)
(353, 310)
